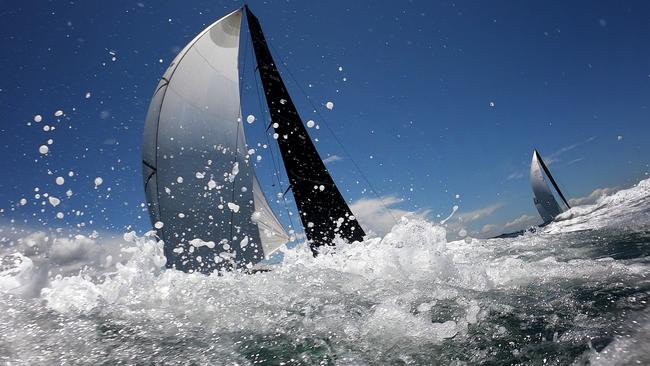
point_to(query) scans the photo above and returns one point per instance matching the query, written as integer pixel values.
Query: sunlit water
(575, 292)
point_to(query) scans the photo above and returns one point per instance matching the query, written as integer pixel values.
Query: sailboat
(543, 197)
(203, 195)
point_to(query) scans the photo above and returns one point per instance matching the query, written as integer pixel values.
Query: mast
(323, 211)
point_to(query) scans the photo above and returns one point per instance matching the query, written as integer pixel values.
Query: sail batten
(323, 211)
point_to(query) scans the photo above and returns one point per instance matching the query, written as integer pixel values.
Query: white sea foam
(628, 206)
(382, 300)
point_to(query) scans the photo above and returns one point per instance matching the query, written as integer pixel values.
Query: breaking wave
(574, 292)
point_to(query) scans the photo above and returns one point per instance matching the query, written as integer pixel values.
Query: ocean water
(573, 293)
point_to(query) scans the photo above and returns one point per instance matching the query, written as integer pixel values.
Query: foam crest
(410, 296)
(625, 208)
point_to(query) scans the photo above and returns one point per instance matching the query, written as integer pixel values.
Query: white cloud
(575, 161)
(80, 249)
(378, 216)
(515, 175)
(522, 222)
(331, 159)
(480, 213)
(592, 197)
(30, 256)
(457, 227)
(59, 251)
(550, 159)
(488, 228)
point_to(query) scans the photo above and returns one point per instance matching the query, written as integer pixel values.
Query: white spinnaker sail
(543, 198)
(198, 180)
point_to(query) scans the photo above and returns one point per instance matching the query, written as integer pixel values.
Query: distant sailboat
(543, 197)
(202, 192)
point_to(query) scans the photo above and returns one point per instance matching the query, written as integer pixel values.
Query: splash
(411, 297)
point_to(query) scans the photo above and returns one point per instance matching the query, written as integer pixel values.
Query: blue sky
(440, 99)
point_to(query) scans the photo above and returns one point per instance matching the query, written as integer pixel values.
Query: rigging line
(276, 164)
(263, 113)
(268, 142)
(277, 177)
(345, 151)
(270, 146)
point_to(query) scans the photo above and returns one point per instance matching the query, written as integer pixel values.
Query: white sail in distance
(543, 197)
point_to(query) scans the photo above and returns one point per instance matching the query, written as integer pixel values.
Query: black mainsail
(202, 191)
(323, 211)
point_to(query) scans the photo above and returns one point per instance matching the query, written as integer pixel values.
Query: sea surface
(575, 292)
